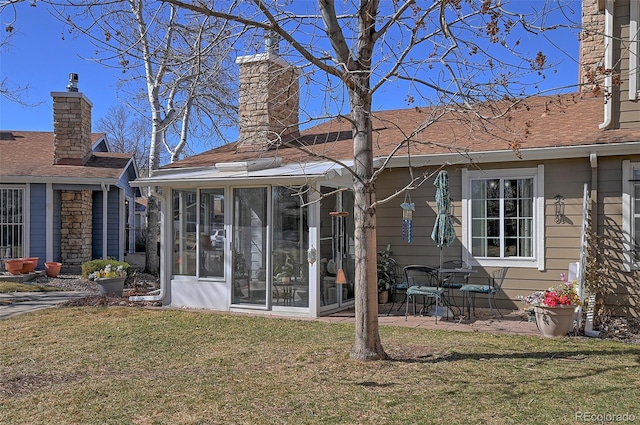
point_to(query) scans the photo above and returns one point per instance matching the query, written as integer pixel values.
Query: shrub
(95, 265)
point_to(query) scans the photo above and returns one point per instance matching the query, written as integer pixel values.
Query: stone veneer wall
(72, 128)
(268, 104)
(591, 43)
(75, 241)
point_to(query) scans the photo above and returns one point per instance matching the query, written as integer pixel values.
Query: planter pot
(111, 285)
(28, 265)
(554, 321)
(383, 297)
(52, 268)
(14, 266)
(35, 261)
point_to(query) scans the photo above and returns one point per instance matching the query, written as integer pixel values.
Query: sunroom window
(503, 217)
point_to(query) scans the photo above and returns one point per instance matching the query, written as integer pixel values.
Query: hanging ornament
(408, 208)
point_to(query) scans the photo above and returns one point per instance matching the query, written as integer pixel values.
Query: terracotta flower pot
(52, 268)
(35, 261)
(28, 266)
(14, 266)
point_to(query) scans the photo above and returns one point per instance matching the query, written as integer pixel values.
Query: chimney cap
(73, 82)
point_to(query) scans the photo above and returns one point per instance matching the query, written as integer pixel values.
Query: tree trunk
(367, 344)
(152, 258)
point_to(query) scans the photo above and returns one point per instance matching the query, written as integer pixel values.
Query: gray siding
(562, 240)
(113, 221)
(626, 113)
(37, 223)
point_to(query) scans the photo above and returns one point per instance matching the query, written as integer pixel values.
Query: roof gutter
(608, 64)
(507, 155)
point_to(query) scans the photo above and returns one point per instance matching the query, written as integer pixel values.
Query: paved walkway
(13, 304)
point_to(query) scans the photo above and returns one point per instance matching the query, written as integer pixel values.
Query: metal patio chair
(422, 281)
(490, 289)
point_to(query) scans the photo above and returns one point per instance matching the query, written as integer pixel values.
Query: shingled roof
(537, 122)
(29, 154)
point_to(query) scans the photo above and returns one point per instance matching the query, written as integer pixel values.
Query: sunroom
(256, 235)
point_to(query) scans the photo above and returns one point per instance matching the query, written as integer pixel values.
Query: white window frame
(628, 214)
(634, 50)
(537, 174)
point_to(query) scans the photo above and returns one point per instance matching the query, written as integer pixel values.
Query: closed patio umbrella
(443, 233)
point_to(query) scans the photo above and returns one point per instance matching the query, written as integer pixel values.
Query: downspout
(105, 212)
(608, 64)
(593, 160)
(49, 222)
(634, 44)
(162, 292)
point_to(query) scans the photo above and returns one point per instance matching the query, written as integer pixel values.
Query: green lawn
(140, 366)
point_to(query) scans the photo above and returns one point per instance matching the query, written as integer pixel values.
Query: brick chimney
(269, 99)
(71, 125)
(592, 43)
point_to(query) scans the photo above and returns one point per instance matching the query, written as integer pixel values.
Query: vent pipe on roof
(73, 83)
(272, 43)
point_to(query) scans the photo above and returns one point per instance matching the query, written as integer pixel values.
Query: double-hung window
(631, 214)
(504, 215)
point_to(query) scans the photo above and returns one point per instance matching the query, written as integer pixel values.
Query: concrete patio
(513, 322)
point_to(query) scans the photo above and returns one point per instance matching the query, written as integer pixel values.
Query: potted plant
(110, 280)
(386, 274)
(286, 271)
(554, 308)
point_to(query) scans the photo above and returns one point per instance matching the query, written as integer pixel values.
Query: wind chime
(408, 208)
(339, 243)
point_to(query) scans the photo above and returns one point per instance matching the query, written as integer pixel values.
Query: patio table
(448, 299)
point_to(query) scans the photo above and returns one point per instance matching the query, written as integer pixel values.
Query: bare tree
(181, 60)
(451, 54)
(127, 133)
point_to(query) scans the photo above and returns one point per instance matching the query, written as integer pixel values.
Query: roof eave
(507, 155)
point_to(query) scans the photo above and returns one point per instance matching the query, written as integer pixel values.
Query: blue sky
(43, 53)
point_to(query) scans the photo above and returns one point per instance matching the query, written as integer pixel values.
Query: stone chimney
(269, 99)
(71, 125)
(592, 44)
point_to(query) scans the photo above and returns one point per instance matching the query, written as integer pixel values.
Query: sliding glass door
(290, 243)
(249, 246)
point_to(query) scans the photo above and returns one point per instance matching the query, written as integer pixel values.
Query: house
(261, 225)
(64, 196)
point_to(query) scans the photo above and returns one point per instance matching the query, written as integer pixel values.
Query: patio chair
(400, 287)
(422, 281)
(490, 289)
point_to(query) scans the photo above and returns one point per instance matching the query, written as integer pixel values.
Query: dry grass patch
(6, 287)
(138, 366)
